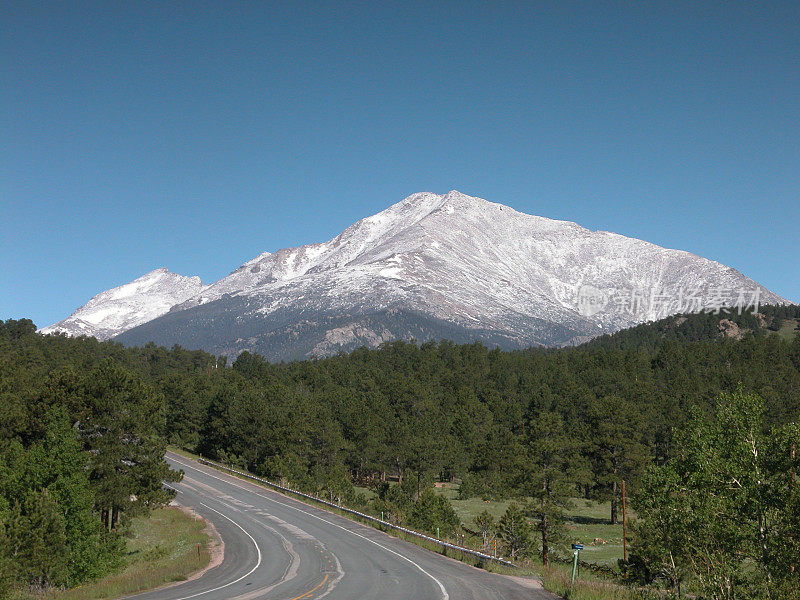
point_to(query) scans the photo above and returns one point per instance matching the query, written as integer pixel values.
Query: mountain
(121, 308)
(445, 266)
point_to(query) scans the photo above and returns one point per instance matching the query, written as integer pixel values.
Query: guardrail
(361, 515)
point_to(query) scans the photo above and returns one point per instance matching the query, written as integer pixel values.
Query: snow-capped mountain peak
(432, 266)
(121, 308)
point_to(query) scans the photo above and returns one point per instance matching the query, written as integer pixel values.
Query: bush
(433, 511)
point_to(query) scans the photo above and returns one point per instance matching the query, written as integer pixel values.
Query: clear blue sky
(194, 135)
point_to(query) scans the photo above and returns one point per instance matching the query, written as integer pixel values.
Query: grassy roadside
(557, 579)
(162, 550)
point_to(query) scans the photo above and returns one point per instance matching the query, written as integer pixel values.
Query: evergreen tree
(616, 445)
(514, 532)
(36, 539)
(119, 427)
(432, 512)
(486, 527)
(550, 472)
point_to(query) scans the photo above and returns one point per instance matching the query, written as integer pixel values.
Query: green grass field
(587, 521)
(590, 521)
(789, 329)
(162, 549)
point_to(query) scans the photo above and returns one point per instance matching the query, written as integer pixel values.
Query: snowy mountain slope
(121, 308)
(451, 266)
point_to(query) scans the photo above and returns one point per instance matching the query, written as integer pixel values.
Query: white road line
(258, 550)
(445, 595)
(291, 569)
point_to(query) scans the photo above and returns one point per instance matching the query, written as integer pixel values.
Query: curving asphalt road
(279, 548)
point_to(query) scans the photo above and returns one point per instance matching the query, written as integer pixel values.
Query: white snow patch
(391, 272)
(315, 250)
(97, 316)
(121, 308)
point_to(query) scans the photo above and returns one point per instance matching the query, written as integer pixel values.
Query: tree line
(81, 452)
(537, 426)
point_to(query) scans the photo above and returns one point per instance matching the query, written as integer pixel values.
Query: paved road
(280, 548)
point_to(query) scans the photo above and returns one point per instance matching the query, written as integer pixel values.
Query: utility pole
(791, 480)
(624, 525)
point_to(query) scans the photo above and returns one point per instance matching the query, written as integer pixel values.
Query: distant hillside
(704, 327)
